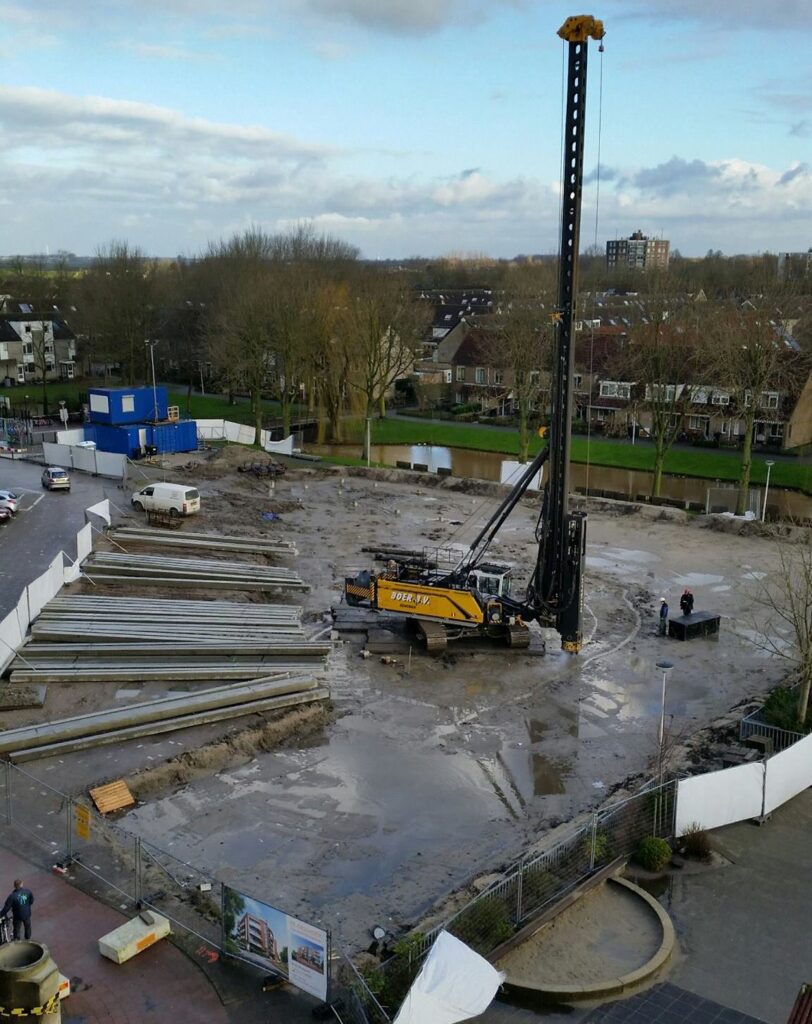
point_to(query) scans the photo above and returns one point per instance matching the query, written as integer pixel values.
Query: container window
(128, 403)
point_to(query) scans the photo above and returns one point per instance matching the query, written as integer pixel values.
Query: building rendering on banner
(638, 252)
(254, 935)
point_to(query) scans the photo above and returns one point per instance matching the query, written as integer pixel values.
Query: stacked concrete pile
(122, 567)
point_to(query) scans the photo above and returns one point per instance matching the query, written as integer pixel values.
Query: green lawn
(199, 407)
(700, 462)
(706, 463)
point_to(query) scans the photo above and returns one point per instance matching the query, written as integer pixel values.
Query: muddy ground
(426, 773)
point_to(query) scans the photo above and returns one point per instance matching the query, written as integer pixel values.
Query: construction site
(313, 753)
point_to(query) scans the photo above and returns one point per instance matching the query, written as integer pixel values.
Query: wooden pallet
(115, 796)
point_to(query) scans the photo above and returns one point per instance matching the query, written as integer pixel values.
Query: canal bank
(706, 494)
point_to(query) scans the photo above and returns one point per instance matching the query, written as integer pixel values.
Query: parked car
(176, 499)
(5, 515)
(9, 500)
(54, 478)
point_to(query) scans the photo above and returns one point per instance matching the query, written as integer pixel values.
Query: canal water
(628, 483)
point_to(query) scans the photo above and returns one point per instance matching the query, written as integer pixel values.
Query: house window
(614, 389)
(535, 377)
(480, 375)
(460, 373)
(577, 381)
(769, 399)
(448, 376)
(499, 376)
(719, 398)
(697, 422)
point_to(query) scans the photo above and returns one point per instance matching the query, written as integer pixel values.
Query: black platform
(687, 627)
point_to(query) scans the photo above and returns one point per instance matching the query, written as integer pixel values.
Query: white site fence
(240, 433)
(88, 460)
(63, 569)
(746, 791)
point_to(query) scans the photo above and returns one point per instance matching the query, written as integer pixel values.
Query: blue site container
(125, 440)
(180, 436)
(127, 405)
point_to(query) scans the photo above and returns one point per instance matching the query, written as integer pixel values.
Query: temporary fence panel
(70, 436)
(39, 593)
(57, 455)
(788, 773)
(190, 898)
(510, 471)
(110, 464)
(720, 798)
(84, 542)
(10, 639)
(84, 459)
(38, 810)
(211, 430)
(23, 615)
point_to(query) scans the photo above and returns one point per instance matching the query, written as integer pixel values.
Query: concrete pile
(121, 567)
(90, 637)
(129, 536)
(166, 714)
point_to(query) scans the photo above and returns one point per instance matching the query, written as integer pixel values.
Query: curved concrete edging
(610, 986)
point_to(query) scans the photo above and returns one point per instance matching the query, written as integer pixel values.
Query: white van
(176, 499)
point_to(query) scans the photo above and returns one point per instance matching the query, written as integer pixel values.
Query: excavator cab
(491, 580)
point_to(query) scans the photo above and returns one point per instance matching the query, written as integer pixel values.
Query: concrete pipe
(29, 982)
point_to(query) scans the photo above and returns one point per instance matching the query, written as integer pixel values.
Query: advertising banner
(270, 938)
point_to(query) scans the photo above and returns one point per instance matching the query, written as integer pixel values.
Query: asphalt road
(46, 523)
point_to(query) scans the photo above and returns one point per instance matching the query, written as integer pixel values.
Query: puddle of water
(660, 888)
(698, 579)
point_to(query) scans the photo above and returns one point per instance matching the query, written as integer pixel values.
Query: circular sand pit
(610, 941)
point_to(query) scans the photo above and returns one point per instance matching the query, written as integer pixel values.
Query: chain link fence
(107, 861)
(531, 886)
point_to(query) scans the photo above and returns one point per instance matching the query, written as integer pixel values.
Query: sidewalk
(159, 984)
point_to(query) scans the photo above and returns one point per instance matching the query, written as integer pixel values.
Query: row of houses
(465, 365)
(33, 342)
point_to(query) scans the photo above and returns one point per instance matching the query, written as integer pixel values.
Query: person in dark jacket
(663, 616)
(19, 903)
(686, 602)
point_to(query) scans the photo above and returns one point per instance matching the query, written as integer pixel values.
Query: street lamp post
(665, 667)
(769, 464)
(151, 345)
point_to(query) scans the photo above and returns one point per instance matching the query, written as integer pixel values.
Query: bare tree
(750, 362)
(386, 321)
(658, 361)
(785, 597)
(117, 301)
(522, 345)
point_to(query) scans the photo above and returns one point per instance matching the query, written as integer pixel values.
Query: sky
(406, 127)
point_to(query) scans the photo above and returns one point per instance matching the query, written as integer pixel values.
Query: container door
(142, 437)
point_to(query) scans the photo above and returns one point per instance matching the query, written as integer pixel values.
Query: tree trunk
(746, 466)
(382, 405)
(286, 409)
(659, 458)
(803, 696)
(524, 437)
(44, 394)
(256, 407)
(189, 388)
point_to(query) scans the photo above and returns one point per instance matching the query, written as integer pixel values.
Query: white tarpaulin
(454, 984)
(100, 509)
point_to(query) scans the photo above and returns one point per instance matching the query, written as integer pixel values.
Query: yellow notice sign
(82, 821)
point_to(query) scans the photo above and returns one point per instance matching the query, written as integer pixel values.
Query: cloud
(331, 51)
(794, 172)
(674, 175)
(792, 16)
(103, 167)
(801, 129)
(158, 51)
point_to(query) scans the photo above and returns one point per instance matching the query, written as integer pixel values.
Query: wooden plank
(115, 796)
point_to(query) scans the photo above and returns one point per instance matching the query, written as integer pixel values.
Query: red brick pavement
(160, 984)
